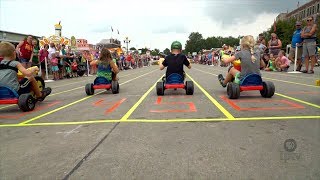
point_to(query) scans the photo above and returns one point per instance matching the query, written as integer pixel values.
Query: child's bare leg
(231, 74)
(34, 86)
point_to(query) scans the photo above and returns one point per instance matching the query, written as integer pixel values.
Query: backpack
(7, 66)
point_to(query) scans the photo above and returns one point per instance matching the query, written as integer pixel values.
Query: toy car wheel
(233, 90)
(189, 87)
(89, 89)
(268, 89)
(160, 88)
(26, 102)
(115, 87)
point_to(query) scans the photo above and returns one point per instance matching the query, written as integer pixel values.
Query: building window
(313, 10)
(318, 8)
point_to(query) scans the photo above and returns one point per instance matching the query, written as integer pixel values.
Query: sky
(147, 23)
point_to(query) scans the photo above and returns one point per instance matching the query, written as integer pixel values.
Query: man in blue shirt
(296, 39)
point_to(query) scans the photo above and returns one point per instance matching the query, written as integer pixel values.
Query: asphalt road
(137, 135)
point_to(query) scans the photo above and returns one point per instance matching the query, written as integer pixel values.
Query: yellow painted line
(278, 118)
(134, 107)
(80, 100)
(161, 121)
(7, 106)
(215, 102)
(298, 100)
(290, 82)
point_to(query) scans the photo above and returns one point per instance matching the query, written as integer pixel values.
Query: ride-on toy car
(26, 101)
(102, 83)
(174, 81)
(250, 83)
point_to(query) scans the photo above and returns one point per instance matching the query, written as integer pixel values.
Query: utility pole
(127, 41)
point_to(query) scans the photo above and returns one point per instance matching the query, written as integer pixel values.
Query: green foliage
(155, 52)
(143, 50)
(196, 43)
(132, 49)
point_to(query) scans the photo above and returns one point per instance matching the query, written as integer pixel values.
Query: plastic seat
(174, 79)
(101, 80)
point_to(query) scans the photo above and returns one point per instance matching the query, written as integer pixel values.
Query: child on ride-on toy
(8, 73)
(107, 68)
(175, 61)
(250, 62)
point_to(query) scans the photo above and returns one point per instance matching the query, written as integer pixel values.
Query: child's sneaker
(221, 79)
(45, 92)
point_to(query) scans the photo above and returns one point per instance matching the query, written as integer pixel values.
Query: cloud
(171, 29)
(230, 11)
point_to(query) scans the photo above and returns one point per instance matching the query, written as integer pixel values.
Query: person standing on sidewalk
(25, 51)
(296, 39)
(309, 35)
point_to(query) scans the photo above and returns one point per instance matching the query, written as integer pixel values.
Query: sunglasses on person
(309, 20)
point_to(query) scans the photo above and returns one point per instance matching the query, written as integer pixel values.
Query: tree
(166, 51)
(132, 49)
(143, 50)
(195, 42)
(155, 52)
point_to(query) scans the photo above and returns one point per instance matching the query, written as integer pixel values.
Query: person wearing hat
(175, 61)
(296, 42)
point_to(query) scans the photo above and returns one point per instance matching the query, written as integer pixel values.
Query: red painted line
(35, 110)
(97, 103)
(192, 107)
(231, 103)
(292, 104)
(115, 106)
(159, 100)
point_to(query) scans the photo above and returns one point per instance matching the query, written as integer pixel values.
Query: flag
(274, 26)
(118, 31)
(111, 29)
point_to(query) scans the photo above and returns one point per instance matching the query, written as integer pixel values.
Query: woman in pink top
(43, 54)
(282, 62)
